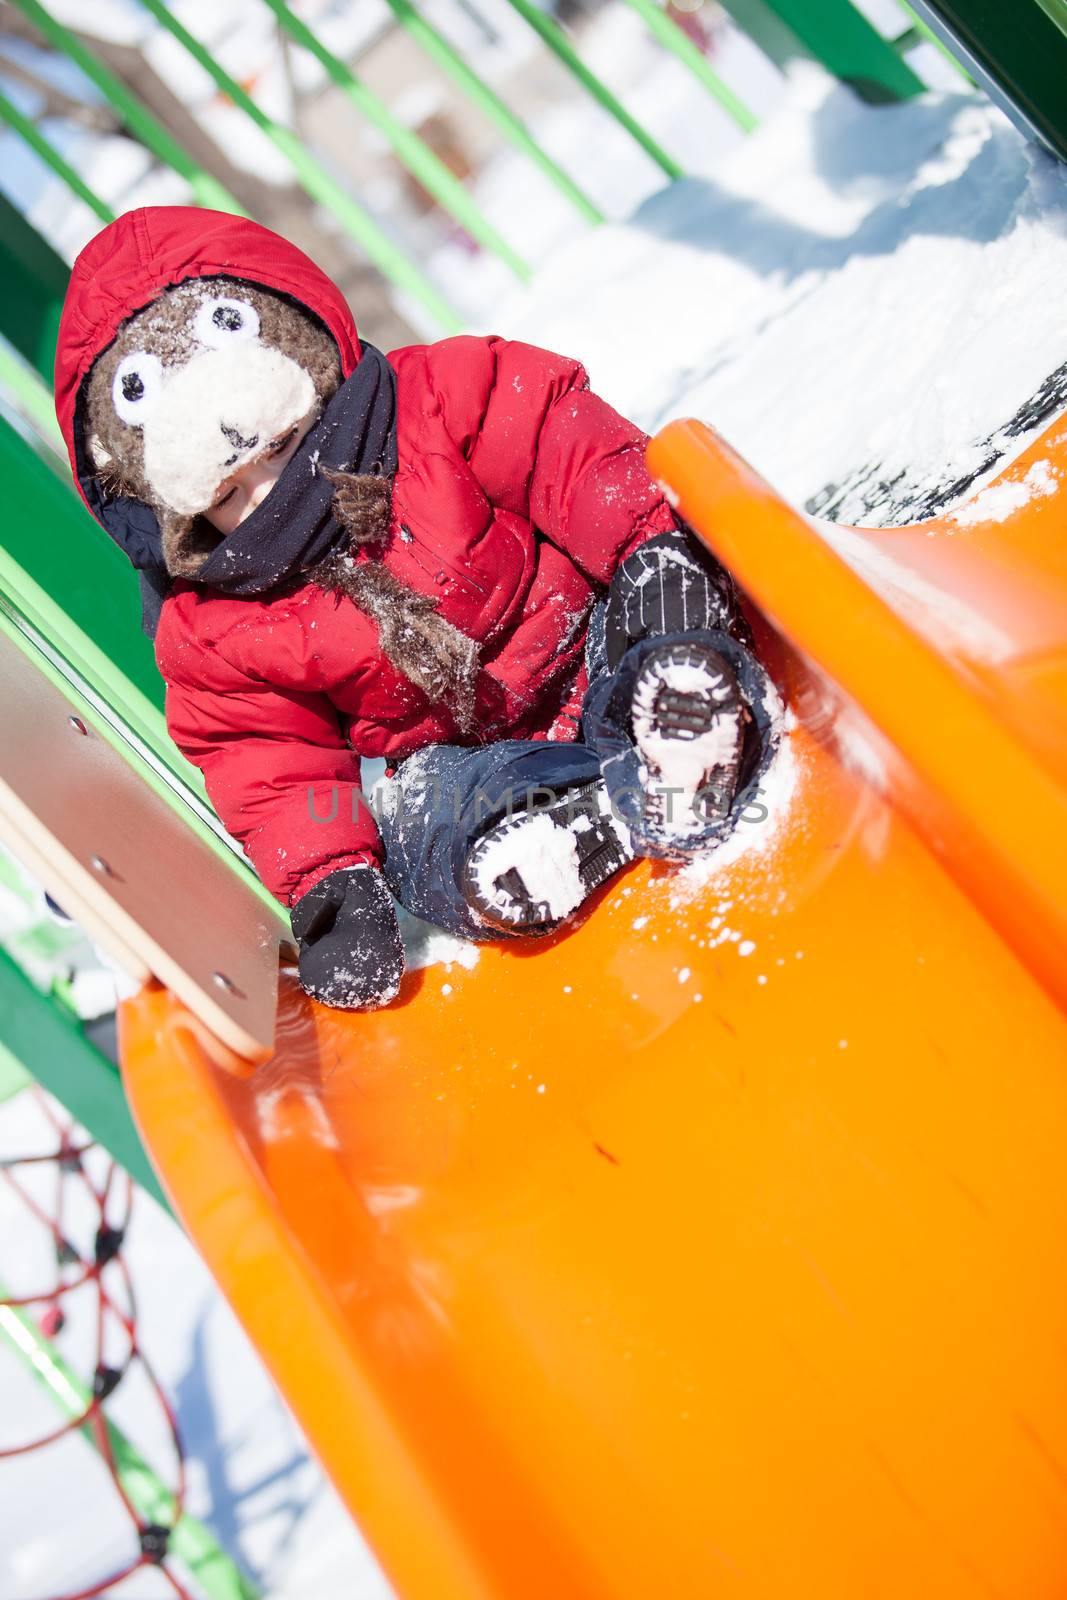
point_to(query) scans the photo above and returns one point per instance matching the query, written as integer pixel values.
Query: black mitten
(670, 584)
(351, 953)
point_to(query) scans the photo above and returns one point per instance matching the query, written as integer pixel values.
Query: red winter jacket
(518, 493)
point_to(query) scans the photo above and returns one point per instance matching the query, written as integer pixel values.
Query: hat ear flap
(186, 543)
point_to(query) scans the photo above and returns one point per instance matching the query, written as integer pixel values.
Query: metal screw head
(98, 864)
(78, 725)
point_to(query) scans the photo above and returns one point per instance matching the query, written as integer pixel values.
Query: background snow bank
(864, 300)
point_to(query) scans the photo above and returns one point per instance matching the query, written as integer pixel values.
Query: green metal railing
(32, 397)
(556, 40)
(445, 54)
(1016, 51)
(13, 1075)
(833, 31)
(918, 32)
(671, 36)
(416, 155)
(206, 190)
(320, 184)
(34, 282)
(838, 35)
(28, 130)
(316, 180)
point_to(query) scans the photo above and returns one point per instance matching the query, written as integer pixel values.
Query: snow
(755, 837)
(426, 946)
(682, 766)
(546, 858)
(865, 301)
(1004, 499)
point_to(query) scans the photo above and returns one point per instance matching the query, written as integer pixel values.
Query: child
(453, 558)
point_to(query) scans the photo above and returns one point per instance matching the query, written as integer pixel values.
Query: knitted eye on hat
(193, 384)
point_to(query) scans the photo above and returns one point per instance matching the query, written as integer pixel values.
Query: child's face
(250, 484)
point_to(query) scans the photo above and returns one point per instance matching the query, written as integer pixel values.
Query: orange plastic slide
(716, 1249)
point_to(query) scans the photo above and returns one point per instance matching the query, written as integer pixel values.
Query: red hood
(134, 258)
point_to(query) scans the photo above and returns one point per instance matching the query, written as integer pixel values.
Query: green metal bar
(1017, 53)
(50, 1044)
(31, 395)
(60, 569)
(449, 59)
(416, 155)
(190, 1541)
(13, 1075)
(318, 183)
(924, 30)
(28, 130)
(35, 282)
(671, 36)
(903, 42)
(207, 191)
(1056, 11)
(557, 41)
(847, 44)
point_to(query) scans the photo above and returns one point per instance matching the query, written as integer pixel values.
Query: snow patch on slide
(760, 827)
(1004, 499)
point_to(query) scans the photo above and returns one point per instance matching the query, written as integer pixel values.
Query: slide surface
(715, 1248)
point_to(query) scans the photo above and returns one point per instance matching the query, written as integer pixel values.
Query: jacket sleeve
(278, 770)
(543, 445)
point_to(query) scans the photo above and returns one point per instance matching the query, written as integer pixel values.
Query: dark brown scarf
(429, 651)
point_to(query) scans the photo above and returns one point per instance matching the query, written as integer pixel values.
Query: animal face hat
(138, 288)
(189, 340)
(195, 385)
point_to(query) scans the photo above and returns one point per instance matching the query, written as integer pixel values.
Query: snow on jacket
(518, 492)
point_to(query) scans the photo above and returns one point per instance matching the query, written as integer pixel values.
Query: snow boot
(528, 872)
(689, 720)
(670, 584)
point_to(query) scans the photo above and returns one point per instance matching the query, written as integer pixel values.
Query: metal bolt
(78, 725)
(98, 864)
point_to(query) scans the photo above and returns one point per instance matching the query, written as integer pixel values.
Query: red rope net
(104, 1276)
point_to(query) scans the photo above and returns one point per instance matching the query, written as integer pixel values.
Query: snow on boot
(528, 872)
(688, 722)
